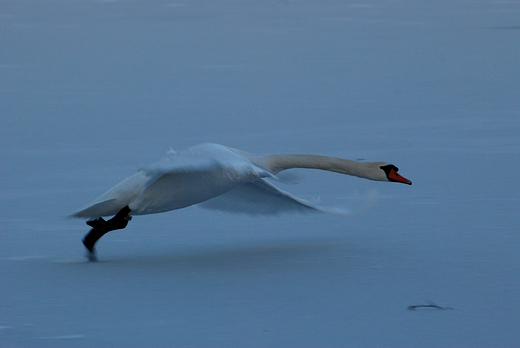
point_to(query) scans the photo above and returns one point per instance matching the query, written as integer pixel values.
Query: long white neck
(277, 162)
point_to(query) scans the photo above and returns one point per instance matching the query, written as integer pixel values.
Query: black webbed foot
(99, 222)
(100, 227)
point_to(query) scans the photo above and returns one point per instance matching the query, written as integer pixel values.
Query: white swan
(219, 177)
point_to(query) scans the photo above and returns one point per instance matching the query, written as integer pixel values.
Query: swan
(216, 177)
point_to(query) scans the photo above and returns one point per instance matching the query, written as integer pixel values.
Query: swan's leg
(100, 227)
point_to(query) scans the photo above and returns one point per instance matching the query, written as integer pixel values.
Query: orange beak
(393, 176)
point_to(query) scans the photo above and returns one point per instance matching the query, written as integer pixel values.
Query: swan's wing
(183, 184)
(151, 181)
(181, 164)
(260, 197)
(176, 181)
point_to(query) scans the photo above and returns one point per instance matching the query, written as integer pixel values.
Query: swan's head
(392, 175)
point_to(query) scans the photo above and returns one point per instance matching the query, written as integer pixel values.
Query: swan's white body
(221, 178)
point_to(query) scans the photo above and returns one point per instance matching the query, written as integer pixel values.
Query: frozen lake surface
(92, 90)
